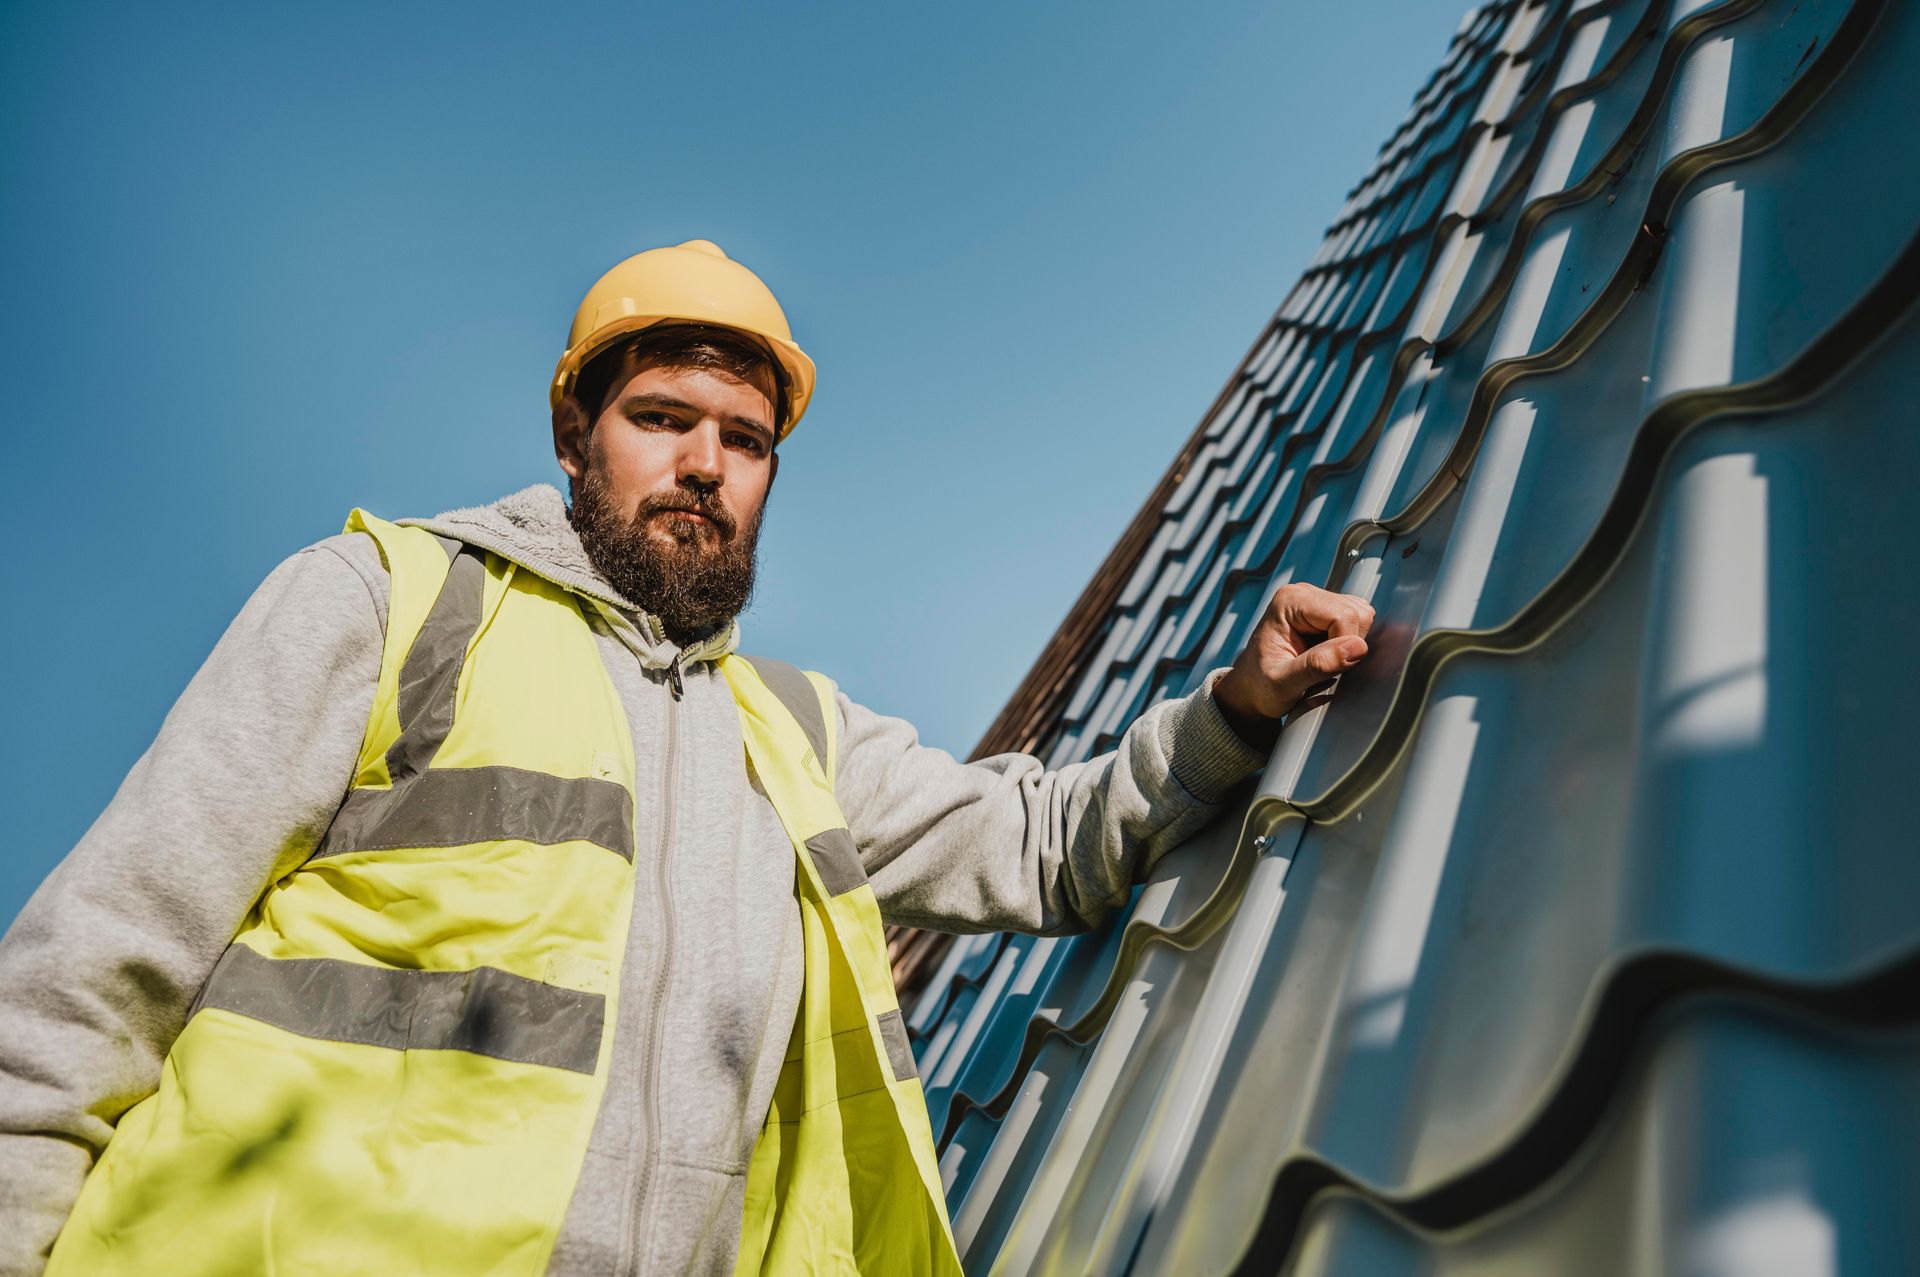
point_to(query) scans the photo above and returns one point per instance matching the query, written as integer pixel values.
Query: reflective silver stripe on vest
(458, 806)
(893, 1031)
(795, 691)
(837, 860)
(430, 675)
(455, 806)
(483, 1011)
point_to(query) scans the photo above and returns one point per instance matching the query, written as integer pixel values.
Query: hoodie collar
(531, 528)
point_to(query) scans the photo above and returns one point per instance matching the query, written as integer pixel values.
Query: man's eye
(750, 442)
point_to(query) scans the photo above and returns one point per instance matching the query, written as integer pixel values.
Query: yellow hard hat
(693, 282)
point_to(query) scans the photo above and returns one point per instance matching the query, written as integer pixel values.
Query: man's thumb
(1321, 662)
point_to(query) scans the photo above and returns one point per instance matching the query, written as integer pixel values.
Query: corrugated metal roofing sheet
(1597, 389)
(1742, 1143)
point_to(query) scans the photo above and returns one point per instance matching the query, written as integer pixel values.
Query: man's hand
(1306, 636)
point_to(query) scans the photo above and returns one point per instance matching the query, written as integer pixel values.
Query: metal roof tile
(1614, 327)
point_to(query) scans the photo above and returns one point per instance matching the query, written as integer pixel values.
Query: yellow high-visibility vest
(397, 1064)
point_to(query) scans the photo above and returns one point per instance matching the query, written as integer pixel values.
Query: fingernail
(1355, 651)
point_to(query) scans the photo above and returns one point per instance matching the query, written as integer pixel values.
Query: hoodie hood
(531, 528)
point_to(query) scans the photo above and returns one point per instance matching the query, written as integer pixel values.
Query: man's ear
(570, 437)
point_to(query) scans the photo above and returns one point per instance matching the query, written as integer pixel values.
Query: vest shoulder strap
(419, 565)
(808, 697)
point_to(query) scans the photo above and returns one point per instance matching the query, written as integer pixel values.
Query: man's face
(668, 489)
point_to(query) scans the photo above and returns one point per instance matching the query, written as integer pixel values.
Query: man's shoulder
(340, 571)
(360, 552)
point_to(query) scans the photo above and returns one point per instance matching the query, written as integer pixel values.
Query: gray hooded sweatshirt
(99, 970)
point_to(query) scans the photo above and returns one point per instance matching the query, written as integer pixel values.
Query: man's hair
(681, 345)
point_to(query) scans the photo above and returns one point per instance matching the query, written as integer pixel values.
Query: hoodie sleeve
(98, 970)
(1004, 844)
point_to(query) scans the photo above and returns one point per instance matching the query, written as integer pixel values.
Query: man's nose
(700, 454)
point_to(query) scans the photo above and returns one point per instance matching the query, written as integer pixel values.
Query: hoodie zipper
(648, 1084)
(663, 892)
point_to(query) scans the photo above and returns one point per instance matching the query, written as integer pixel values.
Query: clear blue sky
(266, 263)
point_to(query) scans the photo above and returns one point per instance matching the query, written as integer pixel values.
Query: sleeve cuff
(1203, 751)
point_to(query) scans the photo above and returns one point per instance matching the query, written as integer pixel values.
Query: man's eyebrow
(649, 400)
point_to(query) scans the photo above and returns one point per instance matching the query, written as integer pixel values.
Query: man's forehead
(645, 372)
(655, 365)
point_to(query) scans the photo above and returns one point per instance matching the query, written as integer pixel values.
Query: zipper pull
(673, 678)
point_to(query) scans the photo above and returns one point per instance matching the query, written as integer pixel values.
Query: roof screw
(1261, 842)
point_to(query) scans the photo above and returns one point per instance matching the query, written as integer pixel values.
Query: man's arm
(97, 972)
(1005, 844)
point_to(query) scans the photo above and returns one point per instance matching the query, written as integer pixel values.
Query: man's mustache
(701, 503)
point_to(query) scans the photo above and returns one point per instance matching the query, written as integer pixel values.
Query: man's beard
(695, 580)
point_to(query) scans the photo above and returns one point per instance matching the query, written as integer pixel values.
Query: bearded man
(480, 909)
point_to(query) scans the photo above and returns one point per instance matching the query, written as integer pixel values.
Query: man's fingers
(1312, 610)
(1349, 624)
(1336, 654)
(1318, 664)
(1277, 658)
